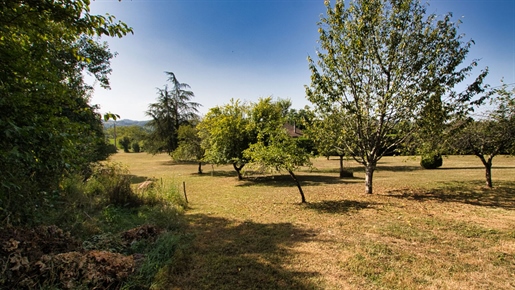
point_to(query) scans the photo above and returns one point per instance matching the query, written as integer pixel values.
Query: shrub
(111, 149)
(135, 147)
(125, 142)
(431, 161)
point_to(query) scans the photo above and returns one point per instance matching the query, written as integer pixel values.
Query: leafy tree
(430, 140)
(327, 133)
(274, 148)
(47, 126)
(381, 62)
(190, 148)
(491, 135)
(225, 134)
(172, 110)
(107, 117)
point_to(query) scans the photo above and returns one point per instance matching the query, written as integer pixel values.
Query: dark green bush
(125, 143)
(135, 147)
(431, 161)
(111, 149)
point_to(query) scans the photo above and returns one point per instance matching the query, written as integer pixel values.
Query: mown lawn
(421, 229)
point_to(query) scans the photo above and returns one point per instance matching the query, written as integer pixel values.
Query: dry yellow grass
(421, 229)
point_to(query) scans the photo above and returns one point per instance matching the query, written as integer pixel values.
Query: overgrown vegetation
(103, 234)
(48, 128)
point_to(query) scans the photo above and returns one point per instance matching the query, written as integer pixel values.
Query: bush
(125, 143)
(111, 149)
(431, 161)
(135, 147)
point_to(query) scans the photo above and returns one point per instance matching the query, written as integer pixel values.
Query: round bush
(431, 161)
(135, 147)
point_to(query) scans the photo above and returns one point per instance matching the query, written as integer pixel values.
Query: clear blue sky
(247, 49)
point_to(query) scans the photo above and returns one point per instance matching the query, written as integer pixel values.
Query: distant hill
(124, 122)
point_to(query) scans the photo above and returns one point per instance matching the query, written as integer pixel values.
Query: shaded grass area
(243, 255)
(287, 181)
(422, 229)
(473, 193)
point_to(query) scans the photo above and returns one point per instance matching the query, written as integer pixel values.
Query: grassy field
(421, 229)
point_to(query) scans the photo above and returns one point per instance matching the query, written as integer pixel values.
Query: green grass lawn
(421, 229)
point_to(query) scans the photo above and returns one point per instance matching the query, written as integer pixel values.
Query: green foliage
(274, 148)
(115, 183)
(173, 109)
(491, 135)
(48, 128)
(136, 136)
(135, 147)
(165, 257)
(107, 117)
(328, 134)
(125, 143)
(225, 134)
(431, 161)
(189, 148)
(380, 64)
(95, 211)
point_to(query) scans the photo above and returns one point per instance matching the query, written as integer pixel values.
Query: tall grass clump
(106, 201)
(168, 256)
(113, 182)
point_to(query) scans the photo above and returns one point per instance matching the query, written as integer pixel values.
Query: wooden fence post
(184, 188)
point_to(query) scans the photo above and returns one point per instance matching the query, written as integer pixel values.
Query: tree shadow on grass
(473, 193)
(229, 254)
(216, 173)
(339, 207)
(473, 168)
(398, 168)
(287, 181)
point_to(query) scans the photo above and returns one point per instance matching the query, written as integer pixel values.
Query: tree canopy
(274, 148)
(379, 64)
(225, 134)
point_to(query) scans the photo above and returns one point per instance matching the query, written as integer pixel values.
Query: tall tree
(225, 134)
(172, 110)
(489, 135)
(47, 126)
(380, 62)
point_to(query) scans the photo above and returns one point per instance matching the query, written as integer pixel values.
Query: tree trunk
(238, 170)
(488, 169)
(369, 174)
(488, 175)
(342, 174)
(200, 168)
(298, 185)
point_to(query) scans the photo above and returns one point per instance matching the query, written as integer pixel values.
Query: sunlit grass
(421, 229)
